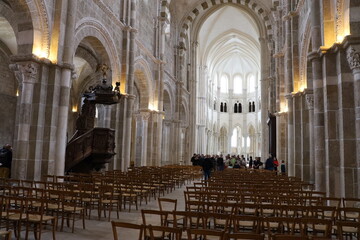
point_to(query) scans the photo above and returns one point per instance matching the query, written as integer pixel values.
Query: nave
(234, 201)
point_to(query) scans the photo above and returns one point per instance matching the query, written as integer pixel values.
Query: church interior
(136, 87)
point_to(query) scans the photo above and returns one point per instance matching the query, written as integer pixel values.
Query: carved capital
(142, 116)
(25, 72)
(353, 58)
(309, 101)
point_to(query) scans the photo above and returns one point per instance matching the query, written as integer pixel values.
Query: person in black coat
(5, 161)
(250, 162)
(207, 165)
(220, 163)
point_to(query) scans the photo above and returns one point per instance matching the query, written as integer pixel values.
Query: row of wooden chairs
(247, 223)
(175, 233)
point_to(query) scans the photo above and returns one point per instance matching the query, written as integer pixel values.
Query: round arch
(90, 27)
(194, 19)
(143, 81)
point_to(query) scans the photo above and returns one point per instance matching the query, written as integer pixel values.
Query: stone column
(344, 186)
(141, 138)
(265, 98)
(353, 57)
(319, 136)
(288, 76)
(130, 85)
(330, 91)
(27, 75)
(63, 113)
(157, 118)
(201, 107)
(65, 84)
(310, 106)
(281, 136)
(305, 139)
(297, 133)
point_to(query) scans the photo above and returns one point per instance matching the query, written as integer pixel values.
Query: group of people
(272, 164)
(219, 163)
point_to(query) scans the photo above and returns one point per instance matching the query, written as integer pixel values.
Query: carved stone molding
(353, 58)
(309, 101)
(25, 72)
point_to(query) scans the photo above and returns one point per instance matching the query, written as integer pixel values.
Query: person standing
(207, 165)
(276, 164)
(220, 163)
(283, 168)
(269, 164)
(250, 162)
(5, 161)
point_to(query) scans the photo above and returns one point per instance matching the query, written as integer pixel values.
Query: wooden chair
(108, 201)
(169, 205)
(72, 210)
(347, 229)
(190, 219)
(15, 213)
(90, 198)
(35, 216)
(245, 224)
(128, 195)
(315, 226)
(204, 234)
(351, 202)
(154, 218)
(136, 232)
(247, 236)
(6, 235)
(175, 233)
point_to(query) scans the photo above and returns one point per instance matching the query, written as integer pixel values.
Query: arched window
(221, 107)
(234, 138)
(250, 107)
(253, 106)
(224, 84)
(251, 83)
(225, 107)
(239, 108)
(235, 108)
(238, 86)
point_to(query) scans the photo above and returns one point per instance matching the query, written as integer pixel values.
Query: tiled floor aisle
(96, 230)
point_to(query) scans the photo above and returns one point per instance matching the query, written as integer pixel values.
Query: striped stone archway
(204, 6)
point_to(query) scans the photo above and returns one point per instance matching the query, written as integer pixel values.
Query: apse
(228, 88)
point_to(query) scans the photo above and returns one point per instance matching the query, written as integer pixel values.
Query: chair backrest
(204, 234)
(154, 217)
(349, 214)
(351, 202)
(247, 236)
(347, 227)
(190, 219)
(243, 223)
(316, 226)
(129, 235)
(174, 231)
(6, 235)
(167, 204)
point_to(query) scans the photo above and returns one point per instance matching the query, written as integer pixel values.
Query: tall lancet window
(224, 82)
(238, 84)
